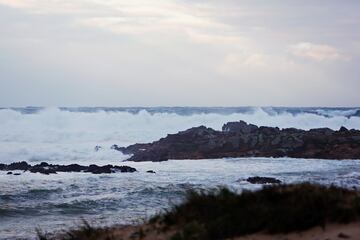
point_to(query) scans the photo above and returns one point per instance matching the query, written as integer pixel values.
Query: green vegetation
(274, 209)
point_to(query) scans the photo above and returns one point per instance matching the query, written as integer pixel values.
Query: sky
(179, 53)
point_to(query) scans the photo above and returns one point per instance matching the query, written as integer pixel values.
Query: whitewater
(69, 135)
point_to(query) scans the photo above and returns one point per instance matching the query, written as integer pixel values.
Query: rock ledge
(239, 139)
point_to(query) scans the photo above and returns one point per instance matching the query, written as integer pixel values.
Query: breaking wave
(70, 134)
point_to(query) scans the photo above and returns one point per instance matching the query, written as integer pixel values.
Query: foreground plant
(223, 214)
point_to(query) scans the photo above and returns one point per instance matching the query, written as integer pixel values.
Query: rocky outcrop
(239, 139)
(47, 169)
(263, 180)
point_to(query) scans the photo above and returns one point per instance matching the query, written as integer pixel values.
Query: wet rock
(17, 174)
(99, 170)
(42, 170)
(115, 147)
(124, 169)
(18, 166)
(9, 173)
(150, 171)
(239, 139)
(43, 164)
(263, 180)
(70, 168)
(45, 168)
(239, 127)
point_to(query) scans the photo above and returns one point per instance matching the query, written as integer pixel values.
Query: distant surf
(61, 135)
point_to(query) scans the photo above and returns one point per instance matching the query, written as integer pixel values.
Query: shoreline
(331, 231)
(242, 216)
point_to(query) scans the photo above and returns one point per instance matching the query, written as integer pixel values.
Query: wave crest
(63, 135)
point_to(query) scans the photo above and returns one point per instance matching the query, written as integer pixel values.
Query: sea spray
(64, 135)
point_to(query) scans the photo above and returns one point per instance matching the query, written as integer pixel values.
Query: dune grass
(83, 232)
(222, 214)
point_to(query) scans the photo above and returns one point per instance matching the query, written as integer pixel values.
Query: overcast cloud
(179, 52)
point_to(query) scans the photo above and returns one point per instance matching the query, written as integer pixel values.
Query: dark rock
(70, 168)
(115, 147)
(139, 147)
(17, 174)
(357, 113)
(99, 170)
(18, 166)
(343, 235)
(109, 169)
(239, 139)
(239, 127)
(343, 129)
(150, 171)
(263, 180)
(124, 169)
(268, 131)
(45, 168)
(2, 167)
(97, 148)
(43, 164)
(324, 131)
(9, 173)
(42, 168)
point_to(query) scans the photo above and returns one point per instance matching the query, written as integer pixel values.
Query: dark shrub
(275, 209)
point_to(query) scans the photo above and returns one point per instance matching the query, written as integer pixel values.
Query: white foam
(64, 136)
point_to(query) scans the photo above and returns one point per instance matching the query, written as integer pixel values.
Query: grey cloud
(242, 52)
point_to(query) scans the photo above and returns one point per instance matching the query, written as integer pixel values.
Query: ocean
(69, 135)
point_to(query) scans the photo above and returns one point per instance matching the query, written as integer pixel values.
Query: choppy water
(67, 136)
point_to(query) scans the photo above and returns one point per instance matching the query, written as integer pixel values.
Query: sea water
(69, 135)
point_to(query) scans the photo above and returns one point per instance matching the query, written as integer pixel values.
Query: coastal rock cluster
(47, 169)
(239, 139)
(263, 180)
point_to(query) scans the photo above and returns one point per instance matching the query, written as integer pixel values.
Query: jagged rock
(45, 168)
(109, 169)
(239, 139)
(343, 129)
(115, 147)
(239, 127)
(124, 169)
(70, 168)
(263, 180)
(18, 166)
(97, 148)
